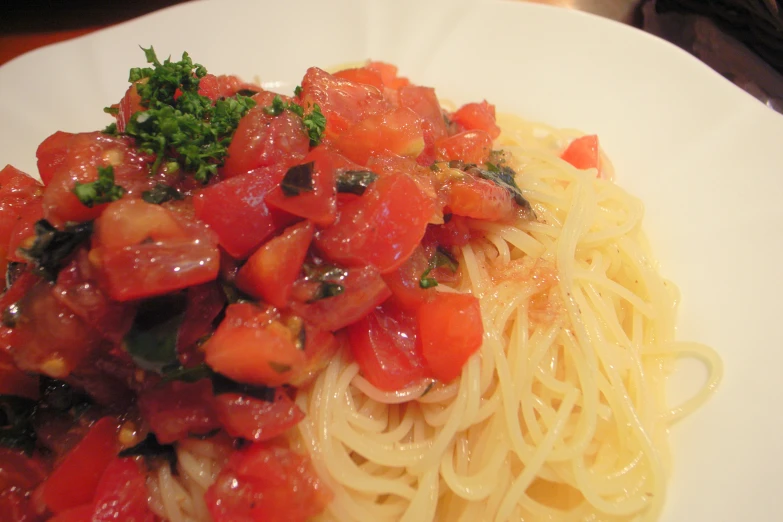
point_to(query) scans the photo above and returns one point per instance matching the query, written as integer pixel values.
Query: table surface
(28, 24)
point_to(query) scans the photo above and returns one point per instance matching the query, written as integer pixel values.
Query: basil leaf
(161, 193)
(247, 92)
(52, 247)
(298, 179)
(152, 339)
(355, 181)
(441, 257)
(505, 177)
(327, 289)
(16, 422)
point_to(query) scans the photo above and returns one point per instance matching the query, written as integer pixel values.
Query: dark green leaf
(327, 289)
(247, 92)
(441, 257)
(52, 247)
(298, 179)
(110, 129)
(298, 90)
(60, 396)
(151, 449)
(192, 374)
(16, 422)
(102, 190)
(315, 124)
(505, 177)
(114, 111)
(355, 181)
(152, 340)
(277, 107)
(161, 193)
(323, 272)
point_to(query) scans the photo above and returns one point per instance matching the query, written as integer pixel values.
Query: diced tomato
(18, 191)
(129, 105)
(469, 146)
(18, 289)
(236, 210)
(320, 347)
(255, 419)
(122, 494)
(78, 289)
(249, 346)
(216, 87)
(451, 331)
(480, 199)
(49, 337)
(205, 302)
(454, 233)
(17, 184)
(75, 480)
(264, 140)
(68, 161)
(404, 282)
(270, 272)
(584, 153)
(81, 513)
(424, 102)
(381, 228)
(400, 132)
(344, 103)
(19, 475)
(266, 483)
(319, 204)
(175, 410)
(144, 250)
(386, 347)
(477, 116)
(388, 73)
(23, 233)
(363, 291)
(361, 75)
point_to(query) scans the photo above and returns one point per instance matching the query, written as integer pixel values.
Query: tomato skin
(177, 409)
(78, 160)
(270, 272)
(317, 205)
(343, 102)
(381, 228)
(471, 146)
(424, 102)
(122, 494)
(235, 209)
(129, 222)
(477, 116)
(251, 346)
(257, 420)
(364, 290)
(584, 153)
(399, 132)
(75, 480)
(451, 331)
(480, 199)
(385, 345)
(266, 483)
(361, 75)
(264, 140)
(388, 74)
(52, 155)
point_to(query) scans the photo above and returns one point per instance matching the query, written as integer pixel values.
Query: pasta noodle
(563, 415)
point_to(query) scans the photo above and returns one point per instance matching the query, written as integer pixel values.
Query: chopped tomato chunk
(451, 331)
(583, 153)
(477, 116)
(255, 419)
(471, 146)
(122, 494)
(480, 199)
(175, 410)
(399, 132)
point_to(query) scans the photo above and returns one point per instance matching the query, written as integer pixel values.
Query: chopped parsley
(102, 190)
(178, 124)
(314, 121)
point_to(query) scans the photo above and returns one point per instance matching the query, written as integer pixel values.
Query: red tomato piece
(477, 116)
(52, 155)
(266, 483)
(480, 199)
(320, 347)
(49, 337)
(13, 381)
(23, 233)
(454, 233)
(363, 291)
(129, 222)
(263, 140)
(19, 475)
(399, 132)
(404, 282)
(319, 204)
(270, 272)
(18, 191)
(177, 409)
(205, 302)
(344, 103)
(122, 494)
(223, 86)
(76, 160)
(236, 210)
(388, 73)
(424, 102)
(252, 347)
(469, 146)
(257, 420)
(451, 331)
(385, 345)
(75, 480)
(129, 105)
(16, 184)
(361, 75)
(584, 153)
(81, 513)
(381, 228)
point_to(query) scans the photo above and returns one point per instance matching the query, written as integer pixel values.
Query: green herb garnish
(325, 290)
(161, 193)
(315, 124)
(298, 179)
(152, 340)
(178, 124)
(441, 257)
(52, 247)
(102, 190)
(355, 181)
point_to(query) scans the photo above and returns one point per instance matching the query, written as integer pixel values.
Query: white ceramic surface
(706, 158)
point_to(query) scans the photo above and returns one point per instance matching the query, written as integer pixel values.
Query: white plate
(706, 158)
